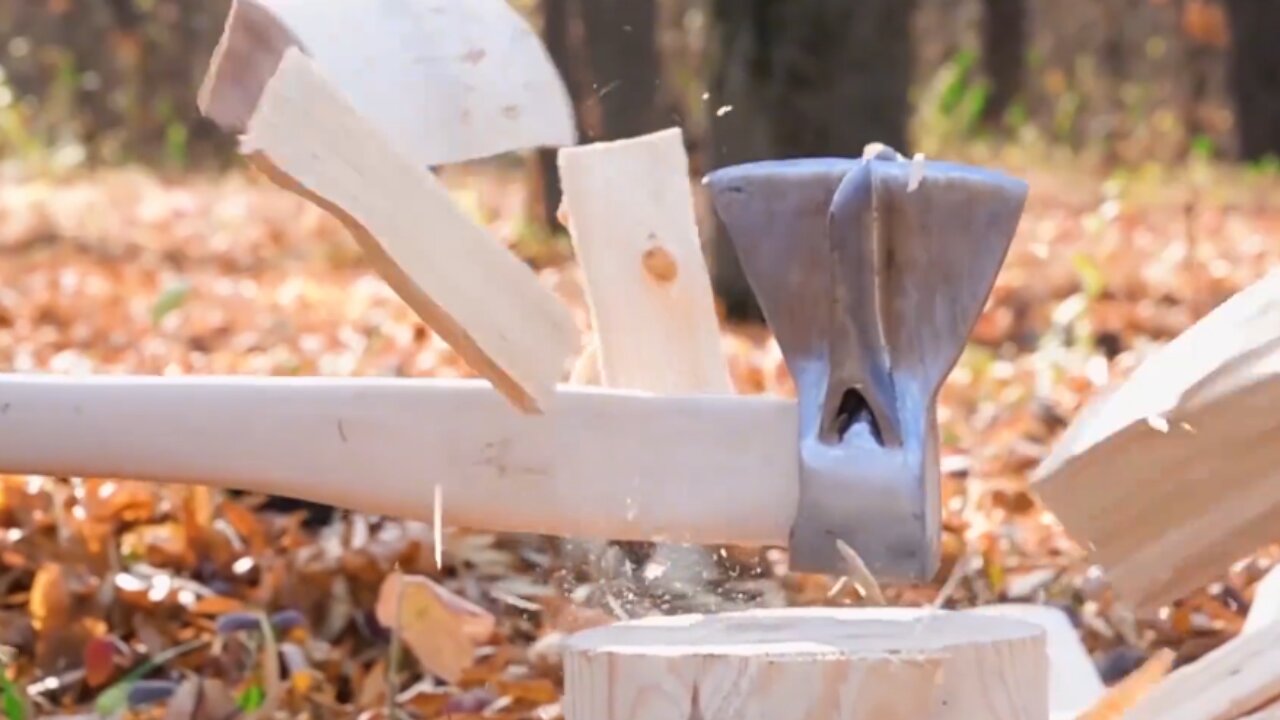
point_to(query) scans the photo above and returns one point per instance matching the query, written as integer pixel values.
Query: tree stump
(808, 663)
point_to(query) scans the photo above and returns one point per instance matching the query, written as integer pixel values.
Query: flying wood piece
(631, 219)
(1264, 609)
(1120, 697)
(1074, 683)
(608, 464)
(1269, 712)
(444, 81)
(801, 663)
(871, 273)
(482, 300)
(1236, 678)
(629, 209)
(1171, 476)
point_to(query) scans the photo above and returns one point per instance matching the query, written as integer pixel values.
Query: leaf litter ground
(143, 600)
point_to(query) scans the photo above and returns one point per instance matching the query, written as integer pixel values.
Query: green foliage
(13, 699)
(1203, 147)
(953, 103)
(116, 697)
(252, 698)
(170, 300)
(1268, 166)
(1092, 280)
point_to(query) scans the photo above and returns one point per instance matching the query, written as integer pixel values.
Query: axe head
(871, 273)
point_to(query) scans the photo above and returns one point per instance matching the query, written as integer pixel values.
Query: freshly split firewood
(349, 104)
(443, 81)
(800, 663)
(1234, 679)
(1175, 474)
(631, 219)
(485, 302)
(629, 209)
(1265, 608)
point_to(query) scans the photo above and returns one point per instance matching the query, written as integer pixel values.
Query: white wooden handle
(598, 463)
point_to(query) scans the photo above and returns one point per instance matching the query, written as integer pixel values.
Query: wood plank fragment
(1115, 704)
(1265, 608)
(1174, 474)
(598, 463)
(801, 663)
(629, 210)
(631, 219)
(1270, 712)
(482, 300)
(444, 81)
(1235, 678)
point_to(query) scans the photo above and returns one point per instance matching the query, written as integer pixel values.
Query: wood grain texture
(482, 300)
(444, 81)
(803, 663)
(1270, 712)
(1174, 474)
(1234, 679)
(597, 464)
(1074, 683)
(631, 219)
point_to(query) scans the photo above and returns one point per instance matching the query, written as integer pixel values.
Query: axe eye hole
(852, 410)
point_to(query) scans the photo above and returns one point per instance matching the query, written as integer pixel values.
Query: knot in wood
(660, 264)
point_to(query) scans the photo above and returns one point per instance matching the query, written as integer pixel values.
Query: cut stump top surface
(836, 632)
(802, 663)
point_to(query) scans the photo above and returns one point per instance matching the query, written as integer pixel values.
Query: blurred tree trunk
(545, 194)
(1255, 75)
(1004, 53)
(798, 78)
(621, 40)
(607, 52)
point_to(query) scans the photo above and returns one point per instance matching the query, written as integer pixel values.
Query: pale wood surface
(631, 220)
(1122, 696)
(1270, 712)
(629, 210)
(598, 464)
(444, 81)
(802, 663)
(1265, 608)
(1074, 683)
(1175, 474)
(482, 300)
(1237, 677)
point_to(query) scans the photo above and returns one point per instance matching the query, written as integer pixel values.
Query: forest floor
(132, 596)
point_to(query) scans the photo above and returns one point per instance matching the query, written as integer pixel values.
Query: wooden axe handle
(702, 469)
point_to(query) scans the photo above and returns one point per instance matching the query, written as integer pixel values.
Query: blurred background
(1107, 85)
(133, 239)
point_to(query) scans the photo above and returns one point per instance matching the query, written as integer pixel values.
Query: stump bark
(802, 663)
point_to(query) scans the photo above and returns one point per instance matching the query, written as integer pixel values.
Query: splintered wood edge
(527, 377)
(803, 662)
(1191, 410)
(1235, 678)
(253, 42)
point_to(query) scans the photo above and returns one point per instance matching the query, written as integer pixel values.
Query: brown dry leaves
(123, 273)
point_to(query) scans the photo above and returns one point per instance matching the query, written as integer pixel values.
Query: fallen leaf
(99, 661)
(439, 627)
(201, 699)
